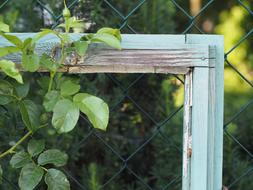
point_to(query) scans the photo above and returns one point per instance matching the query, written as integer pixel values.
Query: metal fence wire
(159, 128)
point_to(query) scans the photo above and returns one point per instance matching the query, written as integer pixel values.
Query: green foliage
(53, 156)
(65, 116)
(30, 176)
(6, 92)
(32, 172)
(35, 147)
(69, 88)
(9, 68)
(30, 113)
(95, 108)
(1, 174)
(4, 27)
(20, 159)
(93, 179)
(30, 62)
(50, 99)
(81, 47)
(55, 179)
(55, 107)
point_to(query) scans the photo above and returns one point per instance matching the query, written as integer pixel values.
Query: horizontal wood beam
(139, 54)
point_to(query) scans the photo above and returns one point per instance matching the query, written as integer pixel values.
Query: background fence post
(207, 118)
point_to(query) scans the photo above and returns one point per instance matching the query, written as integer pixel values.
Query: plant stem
(11, 150)
(45, 169)
(52, 74)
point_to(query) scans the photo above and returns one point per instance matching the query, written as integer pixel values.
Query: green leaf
(81, 47)
(30, 62)
(50, 99)
(65, 116)
(53, 156)
(65, 38)
(43, 33)
(112, 31)
(13, 39)
(8, 50)
(108, 39)
(27, 45)
(21, 90)
(69, 88)
(4, 27)
(56, 180)
(30, 176)
(95, 108)
(9, 68)
(20, 159)
(72, 22)
(87, 37)
(6, 92)
(35, 147)
(47, 62)
(1, 174)
(30, 113)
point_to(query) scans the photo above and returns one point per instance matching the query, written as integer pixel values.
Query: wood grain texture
(139, 54)
(187, 136)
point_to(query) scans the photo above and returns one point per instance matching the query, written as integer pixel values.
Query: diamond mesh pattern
(156, 127)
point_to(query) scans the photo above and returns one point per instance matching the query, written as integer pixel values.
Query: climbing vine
(62, 102)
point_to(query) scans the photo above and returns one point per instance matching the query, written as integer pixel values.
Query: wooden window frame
(201, 59)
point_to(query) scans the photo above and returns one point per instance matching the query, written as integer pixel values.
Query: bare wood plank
(187, 136)
(125, 69)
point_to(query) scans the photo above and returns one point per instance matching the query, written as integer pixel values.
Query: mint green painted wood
(207, 132)
(200, 101)
(203, 119)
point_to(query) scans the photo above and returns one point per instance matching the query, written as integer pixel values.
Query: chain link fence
(142, 148)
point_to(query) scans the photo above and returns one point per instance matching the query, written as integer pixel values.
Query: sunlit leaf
(56, 180)
(111, 31)
(108, 39)
(81, 47)
(8, 50)
(9, 68)
(65, 116)
(42, 34)
(4, 27)
(95, 108)
(13, 39)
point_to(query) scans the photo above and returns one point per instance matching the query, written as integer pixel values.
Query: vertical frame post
(205, 162)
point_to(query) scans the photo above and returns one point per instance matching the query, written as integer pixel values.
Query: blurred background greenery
(140, 103)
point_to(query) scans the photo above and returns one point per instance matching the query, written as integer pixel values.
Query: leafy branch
(62, 102)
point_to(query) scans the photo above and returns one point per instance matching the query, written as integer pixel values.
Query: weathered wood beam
(139, 54)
